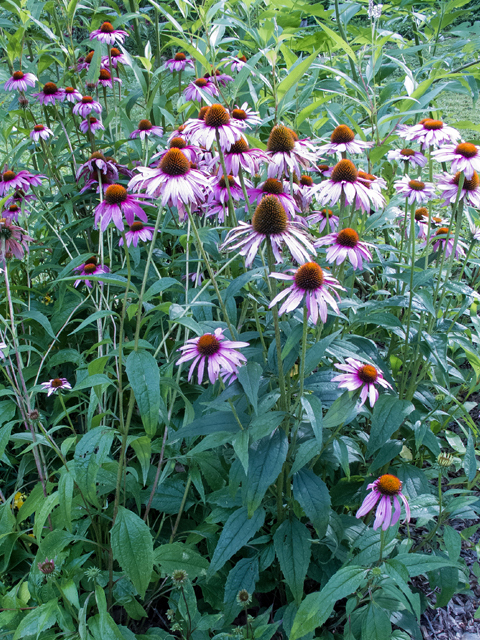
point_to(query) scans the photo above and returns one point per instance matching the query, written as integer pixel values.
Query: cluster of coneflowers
(207, 170)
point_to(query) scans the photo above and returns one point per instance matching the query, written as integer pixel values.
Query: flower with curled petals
(85, 106)
(384, 491)
(343, 140)
(429, 133)
(40, 131)
(108, 34)
(309, 282)
(49, 94)
(464, 157)
(116, 204)
(345, 244)
(415, 191)
(213, 351)
(270, 221)
(13, 239)
(361, 376)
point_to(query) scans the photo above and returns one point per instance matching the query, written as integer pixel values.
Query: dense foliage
(239, 332)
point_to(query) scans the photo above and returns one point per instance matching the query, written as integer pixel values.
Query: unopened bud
(243, 597)
(179, 577)
(445, 460)
(34, 415)
(47, 567)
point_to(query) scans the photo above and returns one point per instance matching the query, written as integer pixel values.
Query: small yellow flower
(18, 500)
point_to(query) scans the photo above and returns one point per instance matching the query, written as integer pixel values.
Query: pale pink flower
(146, 129)
(85, 107)
(407, 156)
(237, 62)
(179, 62)
(285, 154)
(246, 115)
(91, 124)
(108, 34)
(217, 121)
(343, 140)
(345, 179)
(117, 58)
(443, 239)
(138, 231)
(449, 185)
(326, 219)
(239, 155)
(20, 81)
(464, 157)
(345, 244)
(414, 190)
(429, 133)
(53, 386)
(384, 490)
(361, 376)
(196, 87)
(72, 95)
(274, 187)
(40, 131)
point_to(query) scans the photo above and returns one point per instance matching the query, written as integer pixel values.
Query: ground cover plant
(239, 318)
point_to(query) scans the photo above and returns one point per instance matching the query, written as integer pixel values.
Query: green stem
(231, 208)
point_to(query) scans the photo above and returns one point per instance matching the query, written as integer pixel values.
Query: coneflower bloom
(21, 180)
(344, 179)
(98, 162)
(421, 220)
(178, 133)
(237, 63)
(415, 190)
(40, 131)
(213, 351)
(310, 282)
(449, 186)
(138, 231)
(174, 180)
(326, 219)
(384, 490)
(194, 89)
(303, 192)
(72, 95)
(108, 34)
(117, 57)
(91, 124)
(85, 107)
(217, 121)
(375, 182)
(443, 239)
(219, 192)
(84, 63)
(20, 81)
(219, 77)
(464, 157)
(105, 78)
(13, 239)
(343, 140)
(361, 376)
(49, 94)
(116, 204)
(52, 386)
(19, 197)
(430, 133)
(190, 151)
(246, 115)
(408, 156)
(274, 187)
(240, 155)
(270, 221)
(285, 157)
(324, 169)
(89, 268)
(146, 129)
(475, 231)
(13, 211)
(345, 244)
(179, 62)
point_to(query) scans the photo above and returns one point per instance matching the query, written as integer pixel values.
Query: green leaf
(237, 531)
(317, 607)
(388, 414)
(32, 314)
(244, 575)
(94, 67)
(418, 563)
(92, 381)
(376, 624)
(344, 46)
(5, 436)
(342, 411)
(65, 493)
(266, 460)
(469, 460)
(314, 411)
(295, 74)
(161, 285)
(7, 411)
(453, 542)
(92, 318)
(179, 556)
(249, 377)
(41, 516)
(292, 546)
(41, 618)
(143, 450)
(132, 547)
(312, 495)
(144, 377)
(167, 15)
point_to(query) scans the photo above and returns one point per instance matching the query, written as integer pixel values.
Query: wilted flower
(20, 81)
(408, 156)
(49, 94)
(385, 489)
(52, 386)
(108, 34)
(40, 131)
(310, 282)
(244, 598)
(13, 239)
(138, 231)
(179, 62)
(345, 244)
(343, 140)
(179, 577)
(361, 376)
(415, 190)
(146, 129)
(218, 354)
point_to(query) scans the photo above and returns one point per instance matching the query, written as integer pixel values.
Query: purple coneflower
(274, 187)
(475, 231)
(179, 62)
(385, 489)
(285, 157)
(19, 197)
(40, 131)
(13, 211)
(98, 162)
(239, 155)
(85, 107)
(178, 133)
(219, 77)
(146, 129)
(408, 156)
(237, 63)
(443, 240)
(303, 192)
(343, 140)
(421, 220)
(345, 244)
(219, 192)
(464, 157)
(20, 180)
(375, 182)
(72, 95)
(116, 204)
(345, 179)
(91, 124)
(270, 221)
(430, 133)
(361, 376)
(325, 218)
(415, 190)
(117, 57)
(190, 151)
(105, 78)
(324, 169)
(52, 386)
(108, 35)
(13, 240)
(194, 89)
(20, 81)
(49, 94)
(219, 355)
(217, 121)
(138, 231)
(310, 281)
(246, 115)
(174, 180)
(89, 268)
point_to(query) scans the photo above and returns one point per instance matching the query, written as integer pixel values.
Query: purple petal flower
(361, 376)
(384, 490)
(53, 386)
(20, 81)
(108, 35)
